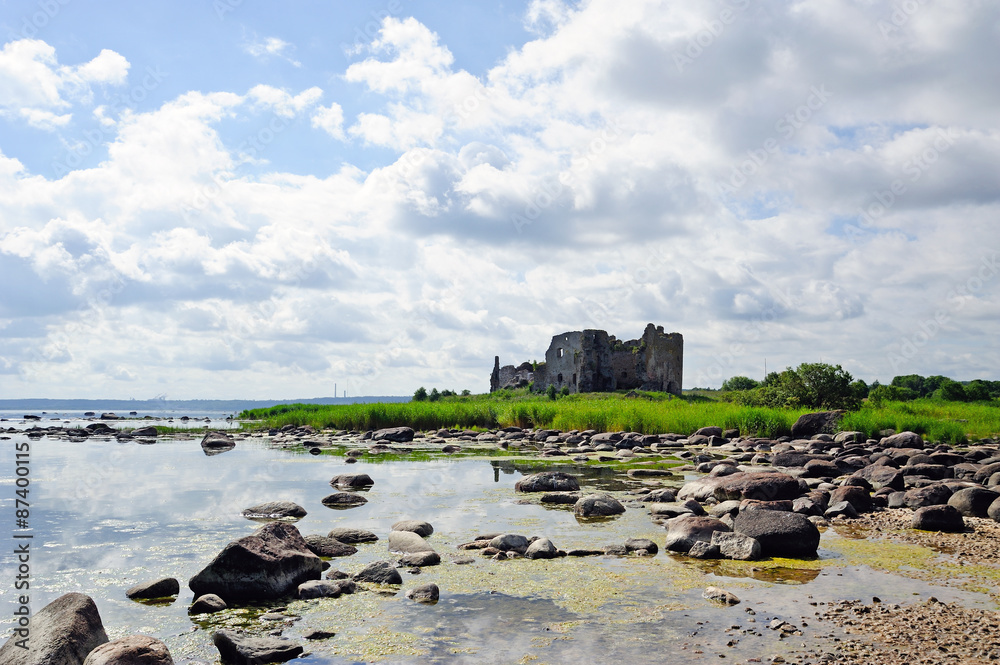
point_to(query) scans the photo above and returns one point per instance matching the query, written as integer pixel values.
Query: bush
(420, 394)
(810, 385)
(434, 396)
(551, 391)
(739, 383)
(565, 391)
(951, 391)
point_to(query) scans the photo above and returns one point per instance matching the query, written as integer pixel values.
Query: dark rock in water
(418, 527)
(352, 481)
(931, 495)
(665, 495)
(708, 431)
(270, 563)
(131, 650)
(736, 546)
(343, 500)
(938, 518)
(319, 635)
(562, 498)
(702, 550)
(351, 536)
(547, 481)
(145, 432)
(407, 542)
(764, 486)
(275, 510)
(510, 541)
(207, 604)
(856, 496)
(541, 548)
(973, 501)
(379, 572)
(781, 534)
(420, 559)
(598, 505)
(636, 544)
(325, 588)
(824, 422)
(64, 631)
(395, 434)
(162, 588)
(685, 531)
(428, 593)
(238, 649)
(584, 552)
(841, 509)
(902, 440)
(328, 547)
(214, 443)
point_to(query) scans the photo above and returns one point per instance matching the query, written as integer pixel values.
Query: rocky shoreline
(716, 495)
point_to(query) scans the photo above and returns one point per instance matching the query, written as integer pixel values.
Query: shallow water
(106, 515)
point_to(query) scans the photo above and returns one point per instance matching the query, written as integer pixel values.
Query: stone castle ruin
(591, 361)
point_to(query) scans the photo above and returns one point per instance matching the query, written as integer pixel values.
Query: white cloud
(268, 47)
(330, 119)
(281, 102)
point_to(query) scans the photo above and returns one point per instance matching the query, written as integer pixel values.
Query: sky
(234, 199)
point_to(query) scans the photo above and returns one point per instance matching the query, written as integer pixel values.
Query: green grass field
(649, 413)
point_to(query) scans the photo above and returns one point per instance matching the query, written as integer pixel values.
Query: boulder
(637, 544)
(700, 489)
(131, 650)
(684, 531)
(61, 633)
(407, 542)
(598, 505)
(717, 595)
(509, 541)
(270, 563)
(780, 534)
(379, 572)
(352, 481)
(736, 546)
(214, 443)
(841, 509)
(541, 548)
(973, 501)
(665, 495)
(879, 476)
(547, 481)
(325, 546)
(820, 468)
(394, 434)
(984, 472)
(325, 588)
(162, 588)
(902, 440)
(275, 510)
(824, 422)
(858, 497)
(764, 486)
(427, 593)
(709, 431)
(931, 495)
(418, 527)
(351, 536)
(703, 550)
(938, 518)
(994, 511)
(420, 559)
(146, 432)
(208, 603)
(238, 649)
(343, 500)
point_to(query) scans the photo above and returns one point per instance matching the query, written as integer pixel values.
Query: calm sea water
(106, 515)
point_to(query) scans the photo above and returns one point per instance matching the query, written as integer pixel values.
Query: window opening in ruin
(559, 379)
(574, 380)
(559, 353)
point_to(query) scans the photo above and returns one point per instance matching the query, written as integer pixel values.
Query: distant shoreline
(229, 405)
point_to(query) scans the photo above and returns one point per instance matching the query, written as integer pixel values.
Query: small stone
(428, 593)
(718, 595)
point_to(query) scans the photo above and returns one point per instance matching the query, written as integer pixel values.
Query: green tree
(564, 391)
(977, 391)
(951, 391)
(551, 391)
(434, 396)
(914, 382)
(739, 383)
(932, 383)
(466, 392)
(420, 394)
(859, 389)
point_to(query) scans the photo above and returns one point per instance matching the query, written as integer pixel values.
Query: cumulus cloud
(330, 119)
(269, 47)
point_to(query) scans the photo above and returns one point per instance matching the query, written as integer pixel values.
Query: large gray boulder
(214, 443)
(931, 495)
(131, 650)
(352, 536)
(684, 531)
(902, 440)
(394, 434)
(352, 481)
(418, 527)
(597, 505)
(973, 501)
(780, 533)
(736, 546)
(938, 518)
(379, 572)
(407, 542)
(879, 476)
(238, 649)
(764, 486)
(270, 563)
(61, 633)
(547, 481)
(820, 422)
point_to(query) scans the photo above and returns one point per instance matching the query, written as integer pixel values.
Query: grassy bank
(650, 413)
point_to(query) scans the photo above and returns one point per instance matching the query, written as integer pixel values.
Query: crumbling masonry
(592, 361)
